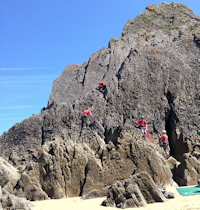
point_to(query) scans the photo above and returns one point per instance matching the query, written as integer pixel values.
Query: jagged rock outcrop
(9, 176)
(71, 169)
(153, 69)
(188, 171)
(8, 201)
(136, 191)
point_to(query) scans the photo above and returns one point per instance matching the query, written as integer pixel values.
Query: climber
(164, 142)
(165, 193)
(84, 117)
(143, 124)
(103, 88)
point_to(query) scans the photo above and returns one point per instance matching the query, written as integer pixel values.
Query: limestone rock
(13, 202)
(136, 191)
(73, 169)
(152, 70)
(188, 171)
(9, 176)
(96, 193)
(28, 189)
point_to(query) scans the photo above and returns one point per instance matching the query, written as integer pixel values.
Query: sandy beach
(178, 203)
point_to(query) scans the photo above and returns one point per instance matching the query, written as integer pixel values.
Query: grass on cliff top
(150, 22)
(114, 40)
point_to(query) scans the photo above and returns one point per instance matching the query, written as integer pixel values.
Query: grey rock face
(9, 176)
(13, 202)
(69, 169)
(153, 69)
(136, 191)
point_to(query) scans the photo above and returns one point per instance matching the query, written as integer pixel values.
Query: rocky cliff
(153, 69)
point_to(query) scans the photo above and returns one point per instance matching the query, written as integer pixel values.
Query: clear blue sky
(38, 39)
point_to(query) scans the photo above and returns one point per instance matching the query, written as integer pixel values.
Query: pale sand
(177, 203)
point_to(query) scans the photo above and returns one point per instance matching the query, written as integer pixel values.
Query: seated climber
(164, 142)
(84, 117)
(165, 193)
(143, 124)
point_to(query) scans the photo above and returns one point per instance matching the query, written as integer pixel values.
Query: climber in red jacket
(103, 88)
(86, 113)
(84, 117)
(164, 142)
(143, 124)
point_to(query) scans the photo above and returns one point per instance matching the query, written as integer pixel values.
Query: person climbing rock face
(103, 88)
(143, 124)
(164, 140)
(84, 118)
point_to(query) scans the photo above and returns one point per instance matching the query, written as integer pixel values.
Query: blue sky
(38, 39)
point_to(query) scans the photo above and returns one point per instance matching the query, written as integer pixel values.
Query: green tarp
(185, 191)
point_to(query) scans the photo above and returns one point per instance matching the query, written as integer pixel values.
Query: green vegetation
(123, 47)
(162, 11)
(182, 21)
(180, 35)
(138, 26)
(150, 24)
(147, 36)
(138, 37)
(148, 30)
(146, 19)
(166, 30)
(122, 38)
(181, 5)
(154, 36)
(172, 3)
(194, 27)
(175, 27)
(153, 15)
(167, 26)
(114, 40)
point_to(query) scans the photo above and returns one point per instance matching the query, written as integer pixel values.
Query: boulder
(26, 188)
(136, 191)
(13, 202)
(9, 176)
(188, 171)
